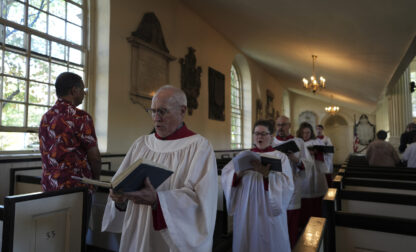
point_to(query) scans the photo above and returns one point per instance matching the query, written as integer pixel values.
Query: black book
(243, 161)
(288, 147)
(132, 178)
(275, 164)
(322, 148)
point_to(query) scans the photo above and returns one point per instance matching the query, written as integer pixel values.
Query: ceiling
(359, 43)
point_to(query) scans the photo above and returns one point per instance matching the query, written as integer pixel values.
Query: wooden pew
(372, 185)
(313, 236)
(25, 180)
(50, 221)
(350, 231)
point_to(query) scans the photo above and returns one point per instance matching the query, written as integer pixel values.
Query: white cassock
(314, 185)
(328, 157)
(298, 174)
(188, 198)
(260, 220)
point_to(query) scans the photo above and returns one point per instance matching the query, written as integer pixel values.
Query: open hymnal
(243, 160)
(288, 147)
(132, 178)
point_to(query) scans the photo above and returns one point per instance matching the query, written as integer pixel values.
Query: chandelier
(314, 85)
(332, 109)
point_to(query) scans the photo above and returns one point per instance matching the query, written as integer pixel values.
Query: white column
(400, 107)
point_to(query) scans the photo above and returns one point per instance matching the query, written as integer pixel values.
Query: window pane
(58, 51)
(56, 27)
(14, 11)
(39, 45)
(14, 89)
(39, 70)
(77, 1)
(40, 4)
(74, 14)
(14, 64)
(75, 56)
(34, 115)
(2, 32)
(1, 60)
(38, 93)
(52, 95)
(37, 19)
(13, 141)
(78, 71)
(12, 114)
(56, 70)
(74, 34)
(57, 7)
(15, 37)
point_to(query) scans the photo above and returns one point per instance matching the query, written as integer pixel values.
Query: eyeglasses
(160, 112)
(85, 90)
(261, 133)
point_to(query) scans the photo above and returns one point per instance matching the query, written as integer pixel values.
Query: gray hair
(178, 96)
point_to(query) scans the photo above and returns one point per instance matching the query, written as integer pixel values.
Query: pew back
(52, 221)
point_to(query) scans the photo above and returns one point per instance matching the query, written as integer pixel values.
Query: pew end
(312, 237)
(50, 221)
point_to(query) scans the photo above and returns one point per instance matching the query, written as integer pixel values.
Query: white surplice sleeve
(113, 218)
(227, 176)
(190, 211)
(281, 187)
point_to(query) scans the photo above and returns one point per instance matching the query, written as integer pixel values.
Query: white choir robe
(259, 222)
(298, 174)
(314, 185)
(188, 198)
(328, 157)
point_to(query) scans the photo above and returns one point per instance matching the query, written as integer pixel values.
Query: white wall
(181, 28)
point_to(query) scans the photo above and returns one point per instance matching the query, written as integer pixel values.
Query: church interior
(237, 62)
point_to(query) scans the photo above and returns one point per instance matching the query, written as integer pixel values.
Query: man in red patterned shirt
(68, 144)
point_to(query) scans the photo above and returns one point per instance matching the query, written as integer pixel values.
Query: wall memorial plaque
(149, 60)
(216, 85)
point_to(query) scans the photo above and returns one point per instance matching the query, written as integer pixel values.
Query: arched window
(39, 40)
(236, 109)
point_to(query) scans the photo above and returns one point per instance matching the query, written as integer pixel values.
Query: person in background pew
(180, 214)
(258, 198)
(68, 144)
(299, 163)
(409, 154)
(382, 153)
(328, 157)
(407, 137)
(314, 185)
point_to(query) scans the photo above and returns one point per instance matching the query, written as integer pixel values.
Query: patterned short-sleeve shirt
(65, 135)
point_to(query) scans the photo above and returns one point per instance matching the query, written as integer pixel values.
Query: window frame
(236, 144)
(27, 52)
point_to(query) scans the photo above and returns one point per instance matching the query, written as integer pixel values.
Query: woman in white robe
(314, 185)
(258, 198)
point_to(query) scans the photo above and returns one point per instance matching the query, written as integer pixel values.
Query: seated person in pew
(409, 154)
(328, 157)
(298, 162)
(382, 153)
(180, 214)
(407, 136)
(258, 198)
(314, 185)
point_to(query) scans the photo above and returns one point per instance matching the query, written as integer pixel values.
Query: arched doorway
(336, 127)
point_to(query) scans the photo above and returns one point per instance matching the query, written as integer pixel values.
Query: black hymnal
(132, 178)
(275, 164)
(243, 161)
(288, 147)
(322, 148)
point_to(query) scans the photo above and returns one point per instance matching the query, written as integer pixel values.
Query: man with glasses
(179, 215)
(299, 161)
(68, 144)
